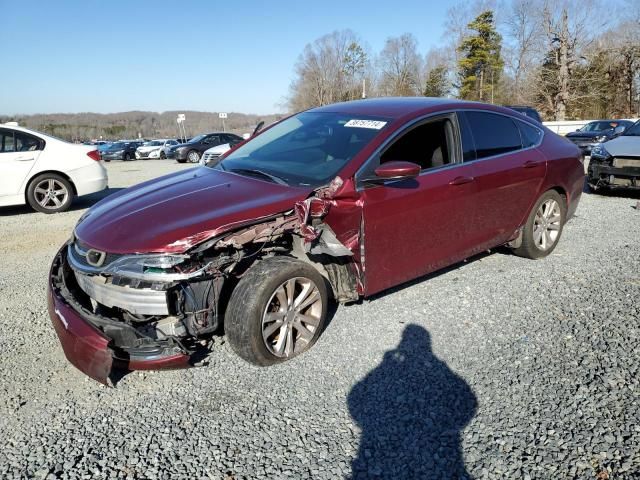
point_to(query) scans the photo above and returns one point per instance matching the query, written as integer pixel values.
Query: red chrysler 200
(332, 204)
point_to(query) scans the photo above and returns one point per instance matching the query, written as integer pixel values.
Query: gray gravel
(499, 368)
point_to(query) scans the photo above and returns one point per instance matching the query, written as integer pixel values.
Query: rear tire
(544, 226)
(50, 193)
(277, 311)
(162, 156)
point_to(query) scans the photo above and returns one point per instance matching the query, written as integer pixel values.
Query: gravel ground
(499, 368)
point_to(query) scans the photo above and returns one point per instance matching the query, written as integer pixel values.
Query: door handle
(461, 180)
(530, 164)
(24, 159)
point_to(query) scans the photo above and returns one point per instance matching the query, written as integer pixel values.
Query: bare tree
(569, 27)
(524, 40)
(327, 70)
(400, 66)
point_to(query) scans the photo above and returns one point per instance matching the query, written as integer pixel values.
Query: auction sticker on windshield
(374, 124)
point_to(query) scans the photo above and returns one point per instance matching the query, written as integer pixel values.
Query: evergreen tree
(480, 62)
(437, 84)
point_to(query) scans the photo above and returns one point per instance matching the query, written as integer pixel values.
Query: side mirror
(395, 170)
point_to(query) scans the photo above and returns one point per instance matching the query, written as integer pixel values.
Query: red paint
(398, 169)
(170, 214)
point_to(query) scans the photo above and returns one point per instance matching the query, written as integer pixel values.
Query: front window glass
(154, 143)
(308, 149)
(6, 142)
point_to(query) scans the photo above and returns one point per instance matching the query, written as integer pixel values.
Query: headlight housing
(600, 152)
(600, 138)
(150, 267)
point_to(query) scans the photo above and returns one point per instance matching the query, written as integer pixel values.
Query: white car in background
(155, 149)
(210, 157)
(46, 172)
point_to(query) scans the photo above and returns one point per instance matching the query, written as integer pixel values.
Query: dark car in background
(192, 150)
(122, 150)
(596, 132)
(616, 163)
(528, 111)
(338, 202)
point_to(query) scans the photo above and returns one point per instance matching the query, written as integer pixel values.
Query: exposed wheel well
(55, 172)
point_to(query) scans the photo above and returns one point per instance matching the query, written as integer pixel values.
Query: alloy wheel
(546, 225)
(193, 157)
(292, 317)
(51, 194)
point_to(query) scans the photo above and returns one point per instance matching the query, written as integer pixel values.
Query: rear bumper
(90, 179)
(87, 347)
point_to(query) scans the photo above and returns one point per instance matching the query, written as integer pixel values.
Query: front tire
(162, 156)
(193, 156)
(50, 193)
(277, 311)
(127, 157)
(544, 226)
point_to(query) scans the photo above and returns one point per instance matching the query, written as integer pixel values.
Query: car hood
(627, 146)
(175, 212)
(586, 134)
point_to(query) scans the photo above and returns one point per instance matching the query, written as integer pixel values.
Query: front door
(416, 226)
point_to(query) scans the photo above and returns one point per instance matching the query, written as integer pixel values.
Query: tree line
(130, 125)
(569, 59)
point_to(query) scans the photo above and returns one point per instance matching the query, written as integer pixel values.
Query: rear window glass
(530, 135)
(493, 134)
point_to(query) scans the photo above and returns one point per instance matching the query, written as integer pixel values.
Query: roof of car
(396, 107)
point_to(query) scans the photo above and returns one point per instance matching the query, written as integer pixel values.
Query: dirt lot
(498, 368)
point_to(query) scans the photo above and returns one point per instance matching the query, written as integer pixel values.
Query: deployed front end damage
(117, 312)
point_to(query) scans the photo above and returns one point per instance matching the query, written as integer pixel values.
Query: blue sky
(99, 56)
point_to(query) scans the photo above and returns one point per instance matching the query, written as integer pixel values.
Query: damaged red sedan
(332, 204)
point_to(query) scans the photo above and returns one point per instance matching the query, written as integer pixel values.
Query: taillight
(94, 155)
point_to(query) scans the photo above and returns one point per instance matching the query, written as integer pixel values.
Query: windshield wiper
(258, 173)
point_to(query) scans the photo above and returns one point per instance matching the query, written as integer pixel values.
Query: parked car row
(193, 150)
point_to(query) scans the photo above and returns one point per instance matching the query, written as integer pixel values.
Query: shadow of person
(411, 410)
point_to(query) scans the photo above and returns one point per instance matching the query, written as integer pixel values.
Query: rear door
(416, 226)
(18, 154)
(509, 172)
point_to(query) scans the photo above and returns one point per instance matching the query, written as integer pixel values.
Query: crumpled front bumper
(605, 175)
(89, 349)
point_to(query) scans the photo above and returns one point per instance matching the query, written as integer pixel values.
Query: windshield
(598, 126)
(633, 131)
(154, 143)
(118, 145)
(308, 149)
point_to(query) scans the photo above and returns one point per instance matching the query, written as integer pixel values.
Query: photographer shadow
(411, 409)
